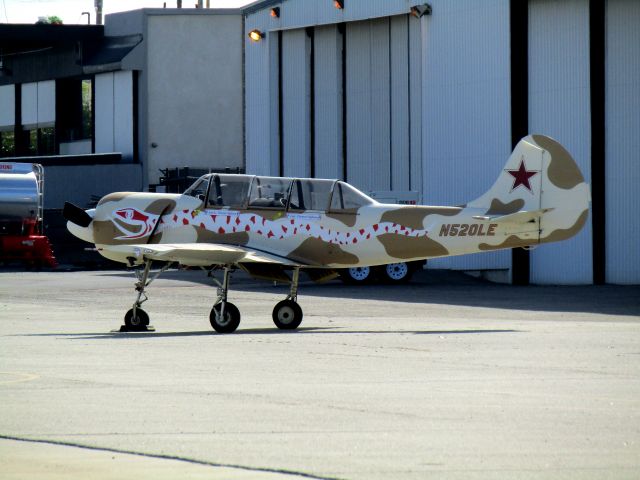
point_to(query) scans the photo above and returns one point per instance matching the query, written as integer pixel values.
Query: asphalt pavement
(446, 378)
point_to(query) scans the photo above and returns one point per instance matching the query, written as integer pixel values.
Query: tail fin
(541, 186)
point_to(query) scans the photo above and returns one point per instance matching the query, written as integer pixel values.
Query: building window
(87, 110)
(7, 144)
(74, 115)
(42, 141)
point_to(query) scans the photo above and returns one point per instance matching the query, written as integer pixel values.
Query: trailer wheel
(357, 275)
(396, 272)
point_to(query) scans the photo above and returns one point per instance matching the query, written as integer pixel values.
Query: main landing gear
(224, 316)
(287, 314)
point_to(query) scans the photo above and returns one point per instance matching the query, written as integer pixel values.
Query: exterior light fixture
(256, 35)
(339, 4)
(419, 11)
(275, 12)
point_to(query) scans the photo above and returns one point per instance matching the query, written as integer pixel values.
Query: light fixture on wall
(256, 35)
(339, 4)
(419, 11)
(275, 12)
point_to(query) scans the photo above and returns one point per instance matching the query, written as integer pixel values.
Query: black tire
(231, 318)
(139, 322)
(400, 272)
(287, 315)
(357, 275)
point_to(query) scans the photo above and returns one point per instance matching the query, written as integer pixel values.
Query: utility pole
(98, 4)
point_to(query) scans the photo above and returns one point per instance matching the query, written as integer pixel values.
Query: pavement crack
(167, 457)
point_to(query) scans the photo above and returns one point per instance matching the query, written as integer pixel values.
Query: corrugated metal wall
(559, 106)
(328, 102)
(368, 105)
(434, 113)
(261, 91)
(466, 108)
(89, 181)
(360, 169)
(383, 120)
(622, 141)
(295, 103)
(415, 104)
(399, 98)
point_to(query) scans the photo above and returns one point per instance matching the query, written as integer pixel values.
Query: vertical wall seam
(597, 22)
(280, 107)
(519, 65)
(113, 112)
(343, 30)
(390, 74)
(409, 123)
(312, 104)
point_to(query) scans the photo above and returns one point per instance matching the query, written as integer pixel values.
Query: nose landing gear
(136, 319)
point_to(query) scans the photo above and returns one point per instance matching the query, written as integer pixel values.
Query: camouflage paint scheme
(539, 197)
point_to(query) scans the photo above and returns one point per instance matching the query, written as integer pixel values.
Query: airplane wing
(201, 254)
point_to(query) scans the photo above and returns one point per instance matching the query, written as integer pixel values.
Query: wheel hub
(286, 314)
(359, 273)
(397, 271)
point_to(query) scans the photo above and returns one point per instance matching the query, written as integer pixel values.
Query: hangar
(398, 95)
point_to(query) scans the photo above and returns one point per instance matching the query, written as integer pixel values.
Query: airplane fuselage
(373, 234)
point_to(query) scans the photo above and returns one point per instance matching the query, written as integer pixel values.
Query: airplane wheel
(287, 315)
(231, 318)
(137, 323)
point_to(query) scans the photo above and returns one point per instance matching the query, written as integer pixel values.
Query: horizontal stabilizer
(518, 217)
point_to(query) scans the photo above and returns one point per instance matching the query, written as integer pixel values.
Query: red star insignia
(521, 176)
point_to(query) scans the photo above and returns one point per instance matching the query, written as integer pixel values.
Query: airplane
(275, 227)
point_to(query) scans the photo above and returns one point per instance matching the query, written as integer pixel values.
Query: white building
(366, 91)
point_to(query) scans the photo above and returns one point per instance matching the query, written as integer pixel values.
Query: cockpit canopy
(242, 192)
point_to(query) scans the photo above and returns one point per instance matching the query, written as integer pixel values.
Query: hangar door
(349, 103)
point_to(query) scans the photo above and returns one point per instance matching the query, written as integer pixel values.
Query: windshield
(269, 192)
(199, 188)
(229, 191)
(346, 197)
(311, 194)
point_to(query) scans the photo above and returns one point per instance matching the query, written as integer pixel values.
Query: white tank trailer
(21, 207)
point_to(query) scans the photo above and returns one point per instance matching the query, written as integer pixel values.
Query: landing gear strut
(287, 314)
(224, 316)
(136, 319)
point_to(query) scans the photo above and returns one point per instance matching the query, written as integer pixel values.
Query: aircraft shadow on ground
(263, 331)
(451, 288)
